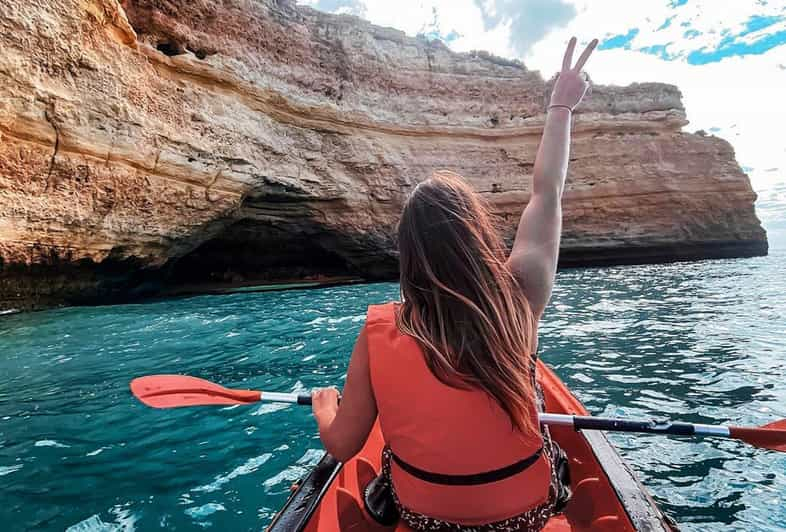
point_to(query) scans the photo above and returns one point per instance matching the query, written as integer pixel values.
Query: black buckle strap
(468, 480)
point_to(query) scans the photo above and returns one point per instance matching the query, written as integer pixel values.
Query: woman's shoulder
(384, 313)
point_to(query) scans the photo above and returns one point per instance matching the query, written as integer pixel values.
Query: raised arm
(533, 259)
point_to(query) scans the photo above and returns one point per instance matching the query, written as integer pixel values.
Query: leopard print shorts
(533, 519)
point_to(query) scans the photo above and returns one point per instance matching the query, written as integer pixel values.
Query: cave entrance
(250, 252)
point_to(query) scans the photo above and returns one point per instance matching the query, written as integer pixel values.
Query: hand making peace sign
(571, 84)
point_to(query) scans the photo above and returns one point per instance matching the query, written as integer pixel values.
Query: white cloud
(528, 20)
(343, 7)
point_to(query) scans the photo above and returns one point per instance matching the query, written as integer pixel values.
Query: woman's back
(450, 431)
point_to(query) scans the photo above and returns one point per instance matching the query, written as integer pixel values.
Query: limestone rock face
(149, 141)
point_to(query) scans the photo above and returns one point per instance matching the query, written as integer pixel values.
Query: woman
(450, 371)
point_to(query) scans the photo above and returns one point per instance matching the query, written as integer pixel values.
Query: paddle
(172, 391)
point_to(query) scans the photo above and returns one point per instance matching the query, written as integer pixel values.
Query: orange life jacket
(449, 432)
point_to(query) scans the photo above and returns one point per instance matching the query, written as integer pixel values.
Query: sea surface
(702, 342)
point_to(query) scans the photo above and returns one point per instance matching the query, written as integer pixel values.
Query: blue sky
(727, 57)
(698, 31)
(756, 35)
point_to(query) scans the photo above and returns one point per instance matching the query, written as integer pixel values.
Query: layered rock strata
(147, 141)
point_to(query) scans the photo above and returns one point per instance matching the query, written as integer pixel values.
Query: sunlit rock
(150, 142)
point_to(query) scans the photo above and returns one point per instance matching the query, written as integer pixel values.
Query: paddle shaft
(173, 391)
(576, 422)
(293, 398)
(633, 425)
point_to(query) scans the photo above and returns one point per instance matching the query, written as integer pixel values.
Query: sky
(728, 57)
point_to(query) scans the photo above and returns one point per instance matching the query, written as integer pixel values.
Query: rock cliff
(148, 141)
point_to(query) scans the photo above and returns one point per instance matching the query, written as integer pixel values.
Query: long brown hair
(460, 300)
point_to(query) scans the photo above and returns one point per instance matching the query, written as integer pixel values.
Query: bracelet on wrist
(568, 107)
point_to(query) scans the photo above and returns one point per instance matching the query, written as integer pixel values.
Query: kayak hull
(606, 494)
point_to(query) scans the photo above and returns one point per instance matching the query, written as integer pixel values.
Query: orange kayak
(606, 494)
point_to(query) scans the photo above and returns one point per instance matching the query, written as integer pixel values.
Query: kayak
(606, 494)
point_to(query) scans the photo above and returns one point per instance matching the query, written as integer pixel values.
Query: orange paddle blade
(170, 391)
(770, 436)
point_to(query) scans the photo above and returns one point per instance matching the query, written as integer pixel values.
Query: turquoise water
(702, 341)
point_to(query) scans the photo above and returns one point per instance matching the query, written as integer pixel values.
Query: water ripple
(700, 341)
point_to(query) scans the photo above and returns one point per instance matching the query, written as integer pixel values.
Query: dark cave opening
(251, 252)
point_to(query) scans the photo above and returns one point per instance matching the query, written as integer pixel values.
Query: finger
(585, 55)
(568, 59)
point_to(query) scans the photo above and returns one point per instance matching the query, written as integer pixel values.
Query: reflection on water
(701, 341)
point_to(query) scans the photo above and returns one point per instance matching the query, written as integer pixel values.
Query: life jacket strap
(468, 480)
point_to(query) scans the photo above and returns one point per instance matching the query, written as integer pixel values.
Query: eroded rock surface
(147, 141)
